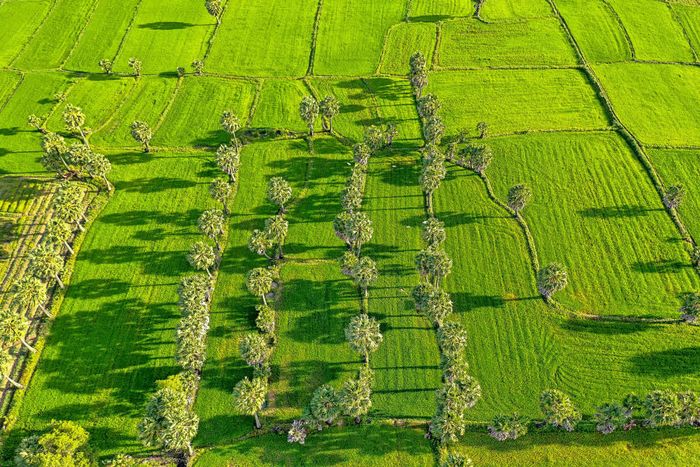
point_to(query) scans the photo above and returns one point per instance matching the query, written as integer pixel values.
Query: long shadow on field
(604, 327)
(667, 363)
(663, 266)
(302, 377)
(615, 212)
(153, 184)
(168, 25)
(185, 219)
(465, 301)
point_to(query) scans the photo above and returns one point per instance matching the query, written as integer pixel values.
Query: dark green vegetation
(596, 160)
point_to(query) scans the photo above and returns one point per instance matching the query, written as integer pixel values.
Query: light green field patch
(682, 166)
(516, 100)
(20, 145)
(165, 38)
(97, 97)
(659, 103)
(351, 35)
(473, 43)
(403, 40)
(278, 105)
(147, 102)
(660, 39)
(596, 30)
(19, 19)
(264, 38)
(494, 10)
(689, 17)
(595, 210)
(194, 117)
(375, 445)
(102, 35)
(54, 40)
(432, 10)
(8, 84)
(395, 104)
(357, 109)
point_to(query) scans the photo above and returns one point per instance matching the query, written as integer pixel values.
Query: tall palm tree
(14, 327)
(6, 363)
(249, 397)
(29, 293)
(46, 264)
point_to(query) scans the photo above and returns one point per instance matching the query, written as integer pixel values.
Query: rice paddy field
(593, 104)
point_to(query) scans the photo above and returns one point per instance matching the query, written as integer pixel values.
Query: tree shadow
(616, 212)
(466, 301)
(603, 327)
(168, 25)
(663, 266)
(429, 18)
(667, 363)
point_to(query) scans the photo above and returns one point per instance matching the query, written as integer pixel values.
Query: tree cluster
(310, 109)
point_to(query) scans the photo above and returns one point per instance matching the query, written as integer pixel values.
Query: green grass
(681, 166)
(596, 30)
(115, 334)
(403, 40)
(166, 38)
(19, 19)
(356, 105)
(278, 105)
(594, 188)
(54, 39)
(351, 35)
(494, 10)
(369, 445)
(517, 100)
(199, 96)
(430, 10)
(264, 38)
(472, 43)
(658, 103)
(660, 39)
(689, 18)
(102, 35)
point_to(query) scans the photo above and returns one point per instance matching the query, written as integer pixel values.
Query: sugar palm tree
(231, 124)
(259, 282)
(363, 335)
(249, 397)
(45, 264)
(74, 118)
(6, 364)
(202, 257)
(58, 232)
(14, 327)
(276, 229)
(228, 159)
(309, 110)
(211, 223)
(29, 293)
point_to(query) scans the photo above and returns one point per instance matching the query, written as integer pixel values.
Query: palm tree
(45, 264)
(170, 421)
(215, 8)
(674, 196)
(228, 159)
(6, 364)
(433, 265)
(430, 179)
(58, 232)
(255, 350)
(365, 274)
(308, 110)
(354, 228)
(29, 293)
(356, 395)
(211, 223)
(434, 232)
(259, 243)
(14, 327)
(363, 335)
(259, 282)
(551, 279)
(142, 133)
(98, 166)
(202, 257)
(329, 107)
(518, 197)
(74, 118)
(276, 231)
(249, 397)
(231, 125)
(279, 192)
(221, 190)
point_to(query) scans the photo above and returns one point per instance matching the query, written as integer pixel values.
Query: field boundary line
(256, 100)
(87, 20)
(620, 24)
(169, 105)
(14, 90)
(34, 33)
(380, 64)
(219, 22)
(127, 31)
(117, 108)
(435, 59)
(66, 93)
(314, 37)
(676, 18)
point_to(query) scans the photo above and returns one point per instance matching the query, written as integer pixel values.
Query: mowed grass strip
(473, 43)
(596, 30)
(115, 333)
(20, 145)
(660, 104)
(498, 10)
(517, 100)
(166, 38)
(53, 41)
(102, 35)
(19, 19)
(682, 167)
(595, 210)
(368, 445)
(193, 119)
(661, 39)
(264, 38)
(402, 41)
(351, 35)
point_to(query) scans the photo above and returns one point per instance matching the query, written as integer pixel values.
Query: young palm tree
(14, 327)
(551, 279)
(518, 197)
(215, 8)
(29, 293)
(249, 397)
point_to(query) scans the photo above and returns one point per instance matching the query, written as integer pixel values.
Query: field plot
(102, 35)
(55, 38)
(689, 17)
(147, 102)
(517, 100)
(596, 29)
(357, 109)
(115, 334)
(166, 38)
(661, 39)
(431, 10)
(472, 43)
(264, 38)
(660, 104)
(495, 10)
(373, 445)
(351, 35)
(623, 253)
(402, 41)
(278, 105)
(193, 119)
(682, 166)
(20, 18)
(20, 146)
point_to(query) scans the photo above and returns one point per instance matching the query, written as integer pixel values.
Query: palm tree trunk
(80, 227)
(43, 308)
(65, 243)
(264, 299)
(208, 272)
(14, 383)
(26, 344)
(60, 282)
(258, 425)
(82, 136)
(109, 185)
(330, 124)
(146, 147)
